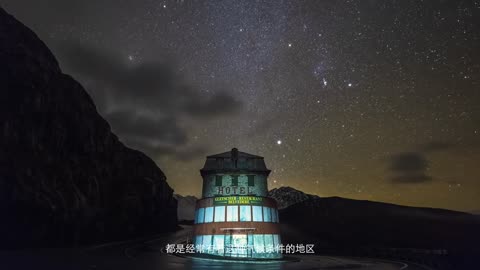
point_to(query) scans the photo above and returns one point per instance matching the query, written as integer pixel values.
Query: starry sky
(364, 99)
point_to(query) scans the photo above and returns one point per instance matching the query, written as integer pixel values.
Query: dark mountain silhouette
(475, 212)
(64, 176)
(358, 227)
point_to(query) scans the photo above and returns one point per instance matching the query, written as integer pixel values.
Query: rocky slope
(286, 196)
(64, 176)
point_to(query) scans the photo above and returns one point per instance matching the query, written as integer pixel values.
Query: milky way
(374, 100)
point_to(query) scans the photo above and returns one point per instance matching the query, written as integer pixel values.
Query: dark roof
(234, 161)
(229, 155)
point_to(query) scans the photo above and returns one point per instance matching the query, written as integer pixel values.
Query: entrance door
(239, 245)
(236, 245)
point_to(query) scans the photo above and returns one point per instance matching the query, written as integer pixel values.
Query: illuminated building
(234, 217)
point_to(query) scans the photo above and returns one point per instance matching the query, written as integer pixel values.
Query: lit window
(228, 243)
(218, 241)
(208, 214)
(200, 215)
(258, 243)
(207, 243)
(219, 213)
(232, 213)
(269, 248)
(274, 215)
(198, 240)
(276, 242)
(199, 243)
(257, 213)
(250, 242)
(267, 217)
(245, 213)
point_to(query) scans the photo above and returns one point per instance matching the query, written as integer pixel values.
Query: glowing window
(198, 240)
(267, 217)
(219, 213)
(258, 243)
(199, 243)
(207, 243)
(232, 213)
(209, 214)
(218, 244)
(200, 215)
(274, 215)
(245, 213)
(269, 248)
(276, 241)
(257, 213)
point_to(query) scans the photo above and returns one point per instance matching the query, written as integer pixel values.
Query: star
(312, 91)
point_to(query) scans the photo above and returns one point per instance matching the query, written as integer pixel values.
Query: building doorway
(238, 243)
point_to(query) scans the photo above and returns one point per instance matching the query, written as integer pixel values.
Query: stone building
(234, 217)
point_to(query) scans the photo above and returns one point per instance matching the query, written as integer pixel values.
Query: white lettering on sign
(234, 190)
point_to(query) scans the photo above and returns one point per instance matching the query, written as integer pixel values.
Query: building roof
(230, 153)
(234, 161)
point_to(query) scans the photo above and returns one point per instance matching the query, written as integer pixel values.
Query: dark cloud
(141, 127)
(409, 168)
(146, 102)
(218, 104)
(408, 162)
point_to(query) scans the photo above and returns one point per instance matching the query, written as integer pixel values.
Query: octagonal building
(234, 217)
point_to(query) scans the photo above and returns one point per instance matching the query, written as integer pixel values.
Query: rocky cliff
(65, 178)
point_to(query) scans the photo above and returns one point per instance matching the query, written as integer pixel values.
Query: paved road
(148, 255)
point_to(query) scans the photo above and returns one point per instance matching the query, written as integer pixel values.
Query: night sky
(365, 99)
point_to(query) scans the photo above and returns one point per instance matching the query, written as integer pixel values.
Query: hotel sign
(237, 200)
(235, 190)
